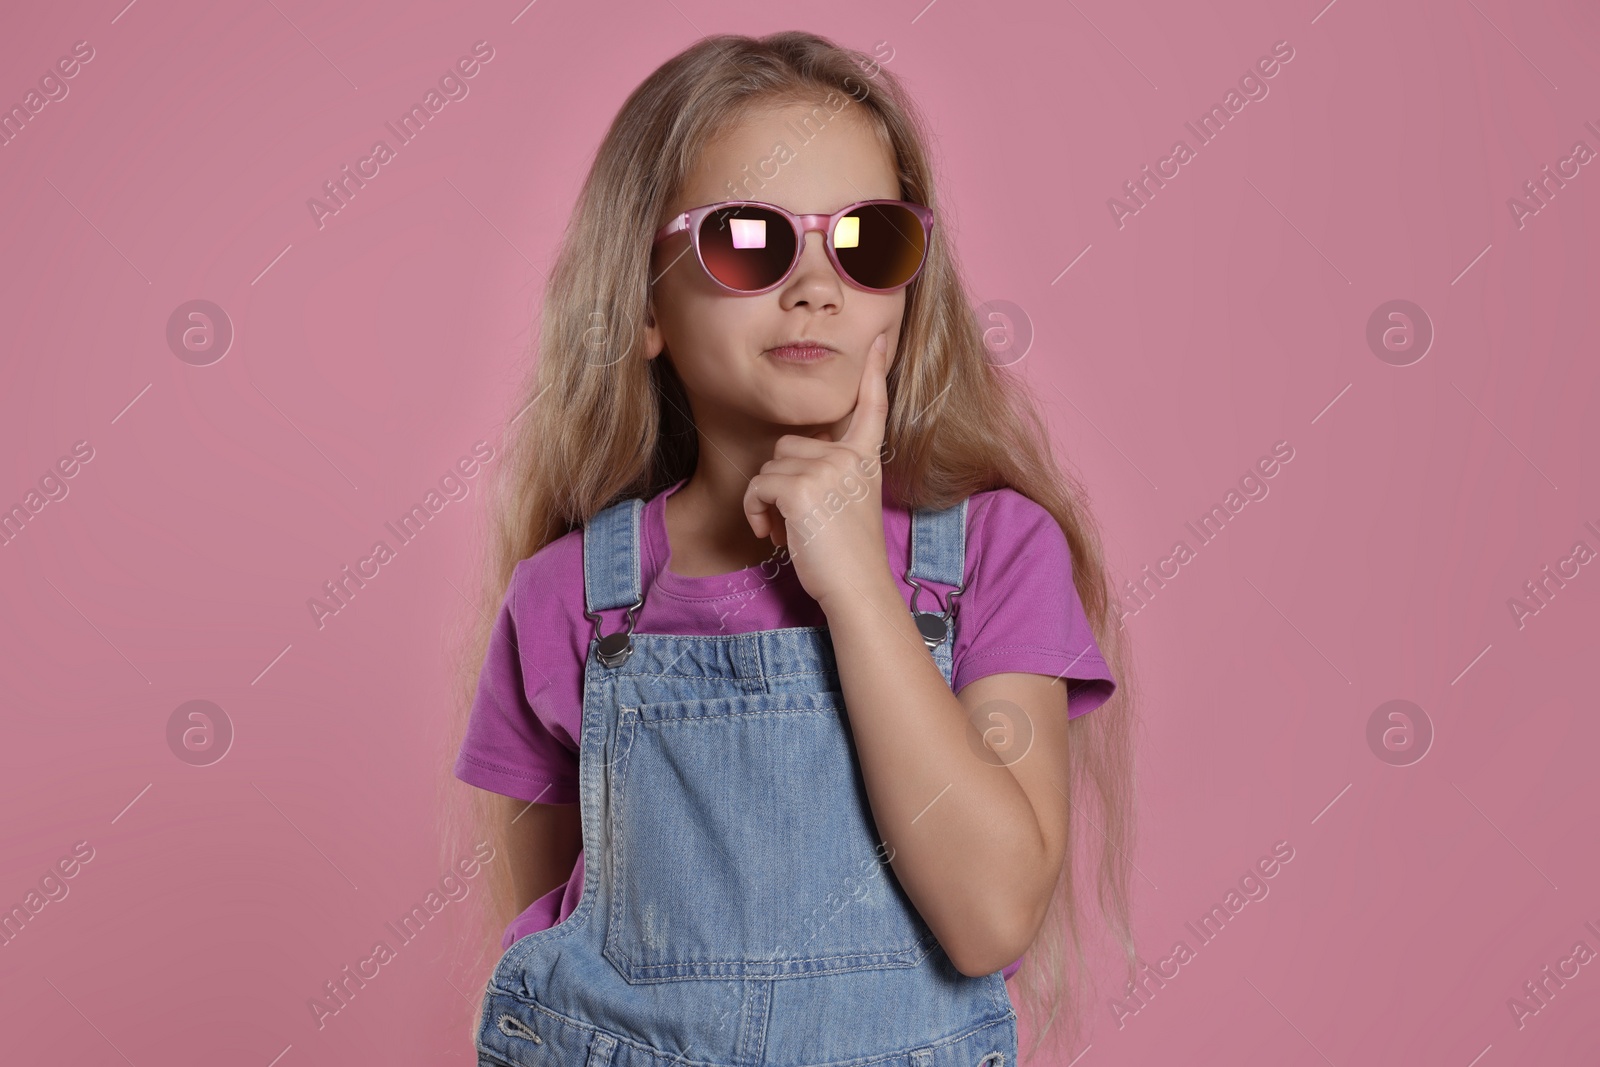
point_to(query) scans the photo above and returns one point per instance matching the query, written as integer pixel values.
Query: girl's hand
(823, 499)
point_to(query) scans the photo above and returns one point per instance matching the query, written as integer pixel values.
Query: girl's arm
(978, 835)
(542, 842)
(976, 827)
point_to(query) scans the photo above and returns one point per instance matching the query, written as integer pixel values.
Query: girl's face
(718, 341)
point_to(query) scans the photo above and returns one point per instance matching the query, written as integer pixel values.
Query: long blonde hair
(596, 423)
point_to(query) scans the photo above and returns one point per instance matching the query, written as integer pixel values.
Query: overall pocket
(743, 845)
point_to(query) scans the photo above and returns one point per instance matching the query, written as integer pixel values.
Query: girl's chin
(806, 419)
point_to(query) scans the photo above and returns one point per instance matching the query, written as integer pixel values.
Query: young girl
(792, 624)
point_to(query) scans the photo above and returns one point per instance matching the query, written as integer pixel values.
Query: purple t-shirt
(1020, 612)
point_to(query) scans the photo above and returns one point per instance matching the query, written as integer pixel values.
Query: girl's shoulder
(1005, 501)
(1007, 517)
(557, 555)
(550, 582)
(545, 582)
(560, 563)
(1004, 496)
(1015, 548)
(564, 555)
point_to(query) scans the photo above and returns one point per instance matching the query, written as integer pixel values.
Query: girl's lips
(800, 353)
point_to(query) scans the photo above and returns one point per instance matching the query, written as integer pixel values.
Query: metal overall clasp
(615, 648)
(934, 628)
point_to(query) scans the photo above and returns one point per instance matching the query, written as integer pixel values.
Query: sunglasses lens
(881, 246)
(746, 248)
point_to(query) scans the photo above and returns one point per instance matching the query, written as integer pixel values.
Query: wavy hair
(595, 423)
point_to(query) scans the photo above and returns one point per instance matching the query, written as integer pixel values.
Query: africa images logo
(454, 484)
(1252, 87)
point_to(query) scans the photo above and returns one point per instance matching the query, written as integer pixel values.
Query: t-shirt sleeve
(1021, 611)
(509, 746)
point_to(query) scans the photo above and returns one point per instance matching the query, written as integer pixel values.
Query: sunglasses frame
(689, 221)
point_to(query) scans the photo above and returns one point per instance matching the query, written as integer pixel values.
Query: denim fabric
(738, 909)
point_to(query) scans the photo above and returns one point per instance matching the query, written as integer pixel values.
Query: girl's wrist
(874, 595)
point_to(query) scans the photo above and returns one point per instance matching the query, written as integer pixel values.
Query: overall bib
(738, 909)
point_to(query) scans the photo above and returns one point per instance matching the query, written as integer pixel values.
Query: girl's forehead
(804, 157)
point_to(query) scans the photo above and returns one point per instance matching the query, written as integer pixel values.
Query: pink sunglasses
(749, 247)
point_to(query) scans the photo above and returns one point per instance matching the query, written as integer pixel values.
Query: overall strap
(938, 554)
(939, 544)
(611, 574)
(611, 557)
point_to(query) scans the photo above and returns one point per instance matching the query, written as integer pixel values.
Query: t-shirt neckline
(738, 583)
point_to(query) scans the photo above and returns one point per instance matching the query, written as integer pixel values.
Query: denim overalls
(738, 908)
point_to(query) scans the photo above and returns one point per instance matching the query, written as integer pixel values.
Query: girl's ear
(654, 342)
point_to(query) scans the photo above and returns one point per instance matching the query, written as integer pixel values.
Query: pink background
(1230, 313)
